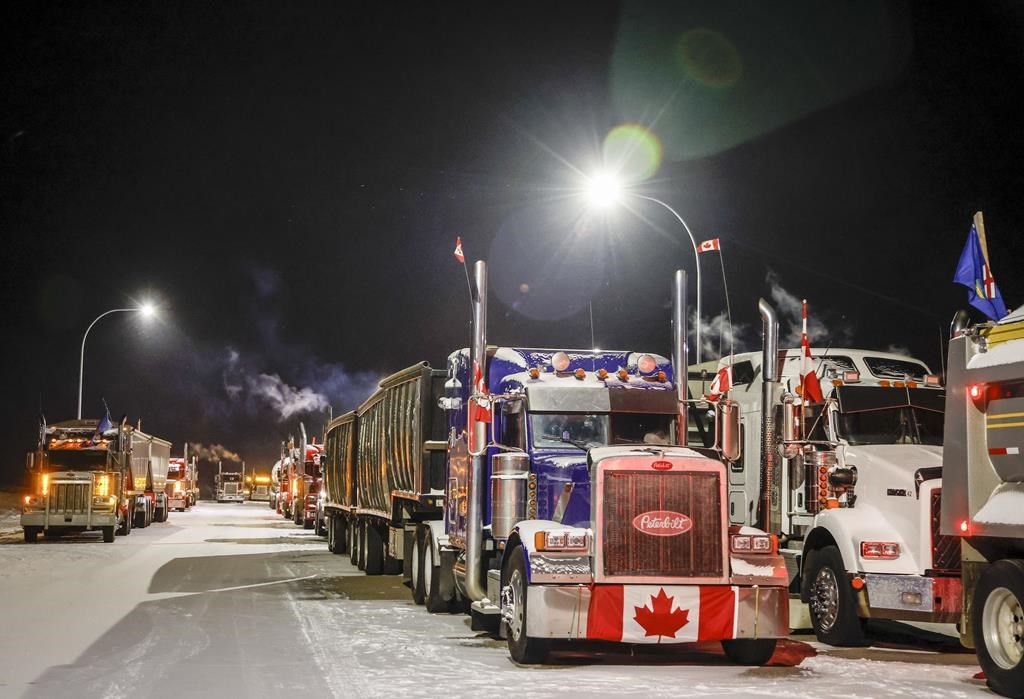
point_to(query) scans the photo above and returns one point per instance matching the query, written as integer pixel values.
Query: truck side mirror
(730, 444)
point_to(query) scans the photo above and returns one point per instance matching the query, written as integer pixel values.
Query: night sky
(287, 181)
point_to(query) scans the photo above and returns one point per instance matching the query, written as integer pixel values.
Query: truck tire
(297, 514)
(523, 649)
(373, 558)
(432, 599)
(31, 533)
(308, 524)
(831, 600)
(108, 534)
(353, 542)
(997, 617)
(416, 579)
(140, 518)
(749, 651)
(332, 535)
(321, 526)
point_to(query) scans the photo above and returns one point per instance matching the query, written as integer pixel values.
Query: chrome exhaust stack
(477, 435)
(680, 360)
(769, 517)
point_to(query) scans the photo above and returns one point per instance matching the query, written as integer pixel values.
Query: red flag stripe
(717, 613)
(604, 615)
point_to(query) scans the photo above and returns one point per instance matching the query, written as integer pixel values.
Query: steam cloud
(212, 452)
(790, 309)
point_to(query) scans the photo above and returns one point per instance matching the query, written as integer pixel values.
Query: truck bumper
(913, 597)
(78, 521)
(177, 502)
(656, 613)
(230, 498)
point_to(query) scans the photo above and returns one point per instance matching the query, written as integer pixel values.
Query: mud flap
(447, 582)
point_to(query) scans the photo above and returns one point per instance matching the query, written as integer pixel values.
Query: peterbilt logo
(662, 523)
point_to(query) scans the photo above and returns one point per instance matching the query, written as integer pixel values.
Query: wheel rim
(415, 563)
(512, 608)
(1003, 628)
(428, 567)
(824, 598)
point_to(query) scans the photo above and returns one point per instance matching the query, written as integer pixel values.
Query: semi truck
(275, 486)
(304, 478)
(229, 485)
(850, 485)
(82, 477)
(983, 490)
(182, 482)
(258, 486)
(285, 473)
(546, 496)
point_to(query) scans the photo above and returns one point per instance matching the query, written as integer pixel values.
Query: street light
(148, 310)
(603, 190)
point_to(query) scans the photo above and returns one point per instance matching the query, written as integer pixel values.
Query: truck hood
(892, 461)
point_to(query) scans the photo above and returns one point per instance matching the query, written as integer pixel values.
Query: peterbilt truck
(229, 485)
(566, 512)
(983, 490)
(182, 482)
(304, 478)
(80, 479)
(853, 482)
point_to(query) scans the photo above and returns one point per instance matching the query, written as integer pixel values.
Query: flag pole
(728, 307)
(979, 225)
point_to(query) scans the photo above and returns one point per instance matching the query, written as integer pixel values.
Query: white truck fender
(850, 526)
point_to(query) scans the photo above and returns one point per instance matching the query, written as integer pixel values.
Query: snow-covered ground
(233, 600)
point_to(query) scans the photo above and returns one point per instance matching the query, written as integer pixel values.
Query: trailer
(548, 497)
(853, 482)
(983, 492)
(150, 463)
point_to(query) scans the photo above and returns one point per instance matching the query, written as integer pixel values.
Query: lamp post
(605, 191)
(145, 309)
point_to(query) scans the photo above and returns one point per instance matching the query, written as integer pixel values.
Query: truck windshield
(585, 431)
(230, 477)
(904, 425)
(77, 460)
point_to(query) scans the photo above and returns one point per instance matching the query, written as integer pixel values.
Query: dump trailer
(854, 481)
(983, 490)
(150, 463)
(388, 477)
(567, 512)
(80, 479)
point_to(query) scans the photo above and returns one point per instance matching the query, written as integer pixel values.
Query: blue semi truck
(551, 494)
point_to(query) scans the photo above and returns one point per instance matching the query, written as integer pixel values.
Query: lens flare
(710, 58)
(632, 152)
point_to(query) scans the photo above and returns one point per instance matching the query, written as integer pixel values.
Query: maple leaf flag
(661, 614)
(458, 250)
(720, 384)
(482, 401)
(810, 387)
(709, 245)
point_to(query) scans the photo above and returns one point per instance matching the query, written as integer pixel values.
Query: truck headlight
(752, 543)
(105, 501)
(562, 540)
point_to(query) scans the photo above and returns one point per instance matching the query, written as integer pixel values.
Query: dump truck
(983, 490)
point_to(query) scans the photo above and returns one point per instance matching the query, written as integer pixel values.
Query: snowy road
(233, 600)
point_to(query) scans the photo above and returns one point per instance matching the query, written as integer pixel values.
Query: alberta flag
(973, 272)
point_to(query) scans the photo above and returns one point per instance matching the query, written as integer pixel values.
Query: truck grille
(945, 549)
(70, 498)
(230, 489)
(630, 552)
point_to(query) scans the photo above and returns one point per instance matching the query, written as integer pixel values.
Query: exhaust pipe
(680, 360)
(768, 517)
(477, 436)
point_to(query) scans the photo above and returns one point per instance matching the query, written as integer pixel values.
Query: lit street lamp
(604, 190)
(147, 310)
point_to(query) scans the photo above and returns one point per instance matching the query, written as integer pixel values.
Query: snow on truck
(90, 475)
(547, 496)
(854, 481)
(983, 493)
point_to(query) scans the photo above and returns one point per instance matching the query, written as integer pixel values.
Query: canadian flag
(458, 250)
(482, 401)
(661, 614)
(810, 387)
(709, 245)
(720, 384)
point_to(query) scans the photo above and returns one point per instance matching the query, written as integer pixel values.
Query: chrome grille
(945, 549)
(70, 498)
(629, 552)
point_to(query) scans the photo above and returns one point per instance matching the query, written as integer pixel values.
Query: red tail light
(880, 550)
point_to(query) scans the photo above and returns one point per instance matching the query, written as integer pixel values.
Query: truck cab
(855, 483)
(229, 487)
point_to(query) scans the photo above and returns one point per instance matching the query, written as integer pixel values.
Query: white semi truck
(854, 481)
(229, 486)
(983, 497)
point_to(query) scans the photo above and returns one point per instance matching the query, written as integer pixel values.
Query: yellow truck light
(102, 488)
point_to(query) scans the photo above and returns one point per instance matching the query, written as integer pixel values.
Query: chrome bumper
(84, 520)
(913, 597)
(569, 612)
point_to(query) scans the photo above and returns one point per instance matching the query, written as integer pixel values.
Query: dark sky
(287, 181)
